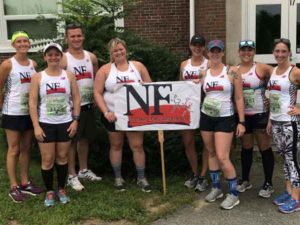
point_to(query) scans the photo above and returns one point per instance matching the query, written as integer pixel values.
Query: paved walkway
(252, 210)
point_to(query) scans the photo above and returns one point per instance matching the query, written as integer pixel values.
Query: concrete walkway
(252, 209)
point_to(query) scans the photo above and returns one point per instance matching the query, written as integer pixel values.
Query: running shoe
(202, 184)
(230, 201)
(290, 206)
(192, 181)
(49, 199)
(243, 185)
(214, 194)
(16, 195)
(144, 185)
(31, 189)
(266, 191)
(282, 198)
(119, 184)
(88, 174)
(74, 183)
(62, 196)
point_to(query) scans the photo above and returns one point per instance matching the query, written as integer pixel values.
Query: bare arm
(33, 106)
(239, 99)
(5, 69)
(94, 62)
(76, 104)
(63, 62)
(182, 65)
(99, 85)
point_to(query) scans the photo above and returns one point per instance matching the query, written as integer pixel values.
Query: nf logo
(123, 79)
(82, 73)
(25, 77)
(213, 86)
(273, 85)
(191, 75)
(53, 88)
(153, 105)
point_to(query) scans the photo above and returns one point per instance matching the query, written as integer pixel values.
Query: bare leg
(188, 137)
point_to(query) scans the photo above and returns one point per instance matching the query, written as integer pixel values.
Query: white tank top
(191, 72)
(84, 73)
(17, 88)
(283, 94)
(254, 92)
(218, 95)
(55, 95)
(132, 75)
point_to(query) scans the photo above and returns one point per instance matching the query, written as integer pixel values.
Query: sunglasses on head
(247, 43)
(283, 40)
(73, 26)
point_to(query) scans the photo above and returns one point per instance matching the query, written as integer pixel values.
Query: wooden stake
(161, 142)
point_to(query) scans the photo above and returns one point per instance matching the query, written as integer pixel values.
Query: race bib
(86, 94)
(24, 102)
(56, 105)
(212, 107)
(275, 103)
(249, 98)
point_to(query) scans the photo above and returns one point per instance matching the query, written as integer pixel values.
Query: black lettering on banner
(130, 90)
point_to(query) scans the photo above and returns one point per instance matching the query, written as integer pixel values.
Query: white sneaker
(230, 201)
(214, 194)
(243, 185)
(88, 174)
(75, 183)
(266, 191)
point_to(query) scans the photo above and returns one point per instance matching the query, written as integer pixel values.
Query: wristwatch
(76, 117)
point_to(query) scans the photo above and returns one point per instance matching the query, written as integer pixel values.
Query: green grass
(98, 201)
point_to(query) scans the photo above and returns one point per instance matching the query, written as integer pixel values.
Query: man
(83, 65)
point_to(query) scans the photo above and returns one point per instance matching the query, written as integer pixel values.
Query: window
(34, 16)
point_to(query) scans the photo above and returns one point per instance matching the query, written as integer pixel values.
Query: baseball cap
(216, 44)
(198, 39)
(247, 43)
(53, 45)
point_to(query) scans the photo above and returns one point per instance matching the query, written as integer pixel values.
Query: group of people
(235, 102)
(56, 105)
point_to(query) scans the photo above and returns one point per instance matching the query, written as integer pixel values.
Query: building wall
(4, 56)
(210, 19)
(163, 22)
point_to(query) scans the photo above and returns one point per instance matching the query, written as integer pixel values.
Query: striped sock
(140, 172)
(232, 183)
(117, 170)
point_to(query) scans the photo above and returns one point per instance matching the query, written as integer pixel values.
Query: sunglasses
(247, 43)
(73, 26)
(282, 40)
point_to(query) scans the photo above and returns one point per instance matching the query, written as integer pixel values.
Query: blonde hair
(112, 44)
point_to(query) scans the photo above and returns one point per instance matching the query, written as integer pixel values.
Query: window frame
(5, 43)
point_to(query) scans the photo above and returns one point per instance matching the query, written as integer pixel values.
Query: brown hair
(112, 44)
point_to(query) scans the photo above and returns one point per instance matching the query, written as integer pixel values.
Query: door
(269, 20)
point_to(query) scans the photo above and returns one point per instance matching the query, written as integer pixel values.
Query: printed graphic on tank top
(191, 72)
(254, 92)
(218, 93)
(83, 71)
(55, 98)
(131, 75)
(282, 94)
(16, 94)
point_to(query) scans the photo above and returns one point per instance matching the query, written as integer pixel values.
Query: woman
(190, 70)
(255, 77)
(50, 97)
(120, 70)
(217, 122)
(284, 122)
(15, 77)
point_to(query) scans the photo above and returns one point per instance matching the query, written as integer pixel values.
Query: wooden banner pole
(161, 142)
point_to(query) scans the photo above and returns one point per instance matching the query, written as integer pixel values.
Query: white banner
(157, 106)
